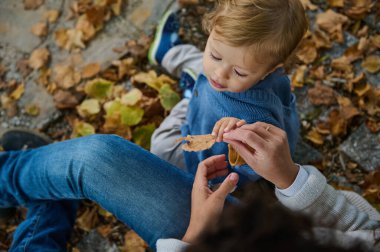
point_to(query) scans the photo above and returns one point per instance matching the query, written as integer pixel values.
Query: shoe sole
(157, 38)
(42, 136)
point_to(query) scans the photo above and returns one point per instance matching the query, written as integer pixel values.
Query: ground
(75, 67)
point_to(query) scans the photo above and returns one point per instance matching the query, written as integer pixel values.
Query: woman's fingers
(248, 137)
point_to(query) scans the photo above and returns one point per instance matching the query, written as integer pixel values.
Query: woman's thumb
(227, 186)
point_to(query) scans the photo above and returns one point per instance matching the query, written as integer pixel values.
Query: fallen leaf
(40, 29)
(132, 97)
(131, 115)
(39, 58)
(134, 243)
(371, 63)
(298, 77)
(308, 5)
(332, 22)
(373, 125)
(307, 51)
(168, 97)
(51, 16)
(65, 76)
(88, 219)
(370, 102)
(322, 95)
(22, 66)
(88, 108)
(336, 3)
(32, 109)
(315, 137)
(375, 40)
(357, 9)
(88, 30)
(150, 78)
(142, 135)
(116, 7)
(321, 39)
(342, 64)
(125, 67)
(32, 4)
(188, 2)
(65, 100)
(18, 92)
(90, 70)
(98, 88)
(60, 37)
(9, 105)
(197, 142)
(234, 158)
(347, 109)
(74, 39)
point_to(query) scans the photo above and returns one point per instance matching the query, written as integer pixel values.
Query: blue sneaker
(166, 37)
(187, 81)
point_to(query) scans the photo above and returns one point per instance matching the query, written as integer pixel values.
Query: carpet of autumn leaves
(130, 98)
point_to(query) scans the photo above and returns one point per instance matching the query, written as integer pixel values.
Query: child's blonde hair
(273, 28)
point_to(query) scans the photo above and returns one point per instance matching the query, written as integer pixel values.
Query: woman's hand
(206, 205)
(225, 125)
(271, 156)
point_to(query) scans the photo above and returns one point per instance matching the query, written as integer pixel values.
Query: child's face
(230, 68)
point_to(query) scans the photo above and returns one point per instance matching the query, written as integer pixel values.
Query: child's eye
(239, 74)
(214, 57)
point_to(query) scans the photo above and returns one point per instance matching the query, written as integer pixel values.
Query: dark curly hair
(262, 224)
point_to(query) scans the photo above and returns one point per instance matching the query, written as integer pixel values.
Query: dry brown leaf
(60, 37)
(3, 70)
(65, 100)
(125, 67)
(198, 142)
(338, 124)
(373, 125)
(357, 9)
(134, 243)
(40, 29)
(336, 3)
(234, 158)
(372, 63)
(9, 105)
(308, 5)
(188, 2)
(342, 64)
(86, 28)
(39, 58)
(332, 22)
(370, 102)
(90, 70)
(317, 73)
(18, 92)
(315, 137)
(298, 77)
(65, 76)
(96, 15)
(32, 4)
(322, 95)
(347, 109)
(88, 219)
(51, 16)
(376, 41)
(307, 51)
(22, 66)
(321, 39)
(74, 39)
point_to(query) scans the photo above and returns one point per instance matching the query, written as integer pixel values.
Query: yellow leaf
(315, 137)
(61, 37)
(18, 92)
(82, 129)
(88, 108)
(298, 77)
(65, 76)
(131, 116)
(32, 110)
(168, 97)
(152, 80)
(74, 39)
(132, 97)
(336, 3)
(143, 134)
(51, 16)
(90, 70)
(372, 64)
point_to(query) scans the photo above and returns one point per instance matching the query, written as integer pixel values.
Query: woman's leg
(145, 192)
(47, 227)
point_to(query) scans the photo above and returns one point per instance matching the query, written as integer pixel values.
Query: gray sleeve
(329, 207)
(171, 245)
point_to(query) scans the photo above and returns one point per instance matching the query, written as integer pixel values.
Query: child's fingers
(216, 128)
(240, 123)
(221, 130)
(231, 125)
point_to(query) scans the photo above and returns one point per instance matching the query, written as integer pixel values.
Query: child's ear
(272, 70)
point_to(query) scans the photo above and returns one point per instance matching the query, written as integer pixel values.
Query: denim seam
(33, 230)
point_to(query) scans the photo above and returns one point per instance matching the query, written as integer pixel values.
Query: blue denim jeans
(148, 194)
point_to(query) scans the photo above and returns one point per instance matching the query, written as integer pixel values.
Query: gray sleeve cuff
(308, 193)
(297, 184)
(171, 245)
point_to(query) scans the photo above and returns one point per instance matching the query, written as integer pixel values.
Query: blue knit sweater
(269, 101)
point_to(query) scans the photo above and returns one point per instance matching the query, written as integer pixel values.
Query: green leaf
(142, 135)
(88, 107)
(132, 97)
(168, 97)
(131, 116)
(98, 88)
(111, 107)
(83, 129)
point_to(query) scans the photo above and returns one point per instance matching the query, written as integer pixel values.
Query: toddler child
(239, 78)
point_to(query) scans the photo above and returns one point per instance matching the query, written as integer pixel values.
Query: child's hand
(224, 125)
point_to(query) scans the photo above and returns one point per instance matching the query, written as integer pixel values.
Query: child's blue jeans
(148, 194)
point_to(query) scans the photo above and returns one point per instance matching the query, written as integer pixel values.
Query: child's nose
(222, 72)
